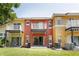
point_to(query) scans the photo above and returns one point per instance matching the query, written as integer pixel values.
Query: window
(59, 21)
(28, 23)
(73, 22)
(41, 25)
(17, 25)
(38, 25)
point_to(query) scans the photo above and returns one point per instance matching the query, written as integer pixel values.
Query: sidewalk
(76, 48)
(38, 47)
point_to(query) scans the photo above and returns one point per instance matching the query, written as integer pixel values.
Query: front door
(38, 41)
(41, 41)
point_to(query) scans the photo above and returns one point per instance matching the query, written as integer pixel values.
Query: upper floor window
(59, 21)
(39, 25)
(17, 25)
(73, 22)
(27, 23)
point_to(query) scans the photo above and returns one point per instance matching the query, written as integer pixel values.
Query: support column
(5, 38)
(19, 38)
(71, 35)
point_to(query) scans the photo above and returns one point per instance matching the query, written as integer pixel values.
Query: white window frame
(39, 25)
(59, 21)
(17, 26)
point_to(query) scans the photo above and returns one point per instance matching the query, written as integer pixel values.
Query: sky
(45, 9)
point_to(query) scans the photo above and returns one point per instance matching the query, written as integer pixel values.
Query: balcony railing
(12, 28)
(38, 30)
(72, 23)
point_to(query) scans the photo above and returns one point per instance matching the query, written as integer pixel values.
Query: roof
(66, 14)
(34, 18)
(38, 18)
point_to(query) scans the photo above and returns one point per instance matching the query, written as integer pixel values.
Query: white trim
(59, 26)
(66, 14)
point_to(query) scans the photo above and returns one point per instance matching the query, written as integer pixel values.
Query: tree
(7, 13)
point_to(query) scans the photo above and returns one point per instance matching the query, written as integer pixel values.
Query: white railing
(38, 26)
(72, 23)
(11, 27)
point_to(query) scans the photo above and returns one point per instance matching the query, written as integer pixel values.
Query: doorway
(15, 42)
(38, 41)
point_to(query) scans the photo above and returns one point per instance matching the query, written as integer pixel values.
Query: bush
(57, 45)
(1, 45)
(69, 46)
(0, 41)
(3, 42)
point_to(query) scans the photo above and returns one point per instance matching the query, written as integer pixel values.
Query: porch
(39, 39)
(74, 36)
(14, 38)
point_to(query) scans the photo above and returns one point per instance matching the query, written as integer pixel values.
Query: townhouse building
(38, 31)
(61, 28)
(19, 32)
(66, 28)
(13, 32)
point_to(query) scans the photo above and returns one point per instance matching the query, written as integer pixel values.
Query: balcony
(72, 25)
(11, 28)
(38, 30)
(38, 27)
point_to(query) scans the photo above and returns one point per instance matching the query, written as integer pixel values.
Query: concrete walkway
(76, 48)
(38, 47)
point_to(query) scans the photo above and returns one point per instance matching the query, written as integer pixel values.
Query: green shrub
(1, 45)
(0, 42)
(57, 45)
(3, 42)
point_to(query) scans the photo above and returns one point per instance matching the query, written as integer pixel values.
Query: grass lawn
(35, 52)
